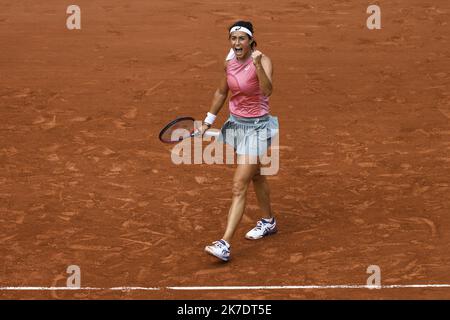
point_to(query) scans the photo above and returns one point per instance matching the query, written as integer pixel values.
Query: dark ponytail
(249, 26)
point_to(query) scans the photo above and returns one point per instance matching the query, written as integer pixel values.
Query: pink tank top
(247, 99)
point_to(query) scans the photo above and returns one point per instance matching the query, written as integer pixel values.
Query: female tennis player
(249, 129)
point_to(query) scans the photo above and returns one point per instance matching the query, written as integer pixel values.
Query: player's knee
(239, 188)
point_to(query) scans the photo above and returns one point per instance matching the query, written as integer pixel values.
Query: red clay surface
(365, 148)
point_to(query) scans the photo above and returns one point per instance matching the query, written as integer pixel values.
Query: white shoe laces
(259, 225)
(220, 245)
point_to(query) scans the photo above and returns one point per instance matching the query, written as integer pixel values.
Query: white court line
(76, 288)
(134, 289)
(46, 288)
(212, 288)
(312, 287)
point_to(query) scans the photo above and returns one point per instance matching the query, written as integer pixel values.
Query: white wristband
(210, 118)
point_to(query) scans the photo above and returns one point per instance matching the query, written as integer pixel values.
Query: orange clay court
(364, 150)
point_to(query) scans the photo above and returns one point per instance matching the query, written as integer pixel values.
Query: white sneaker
(263, 228)
(219, 249)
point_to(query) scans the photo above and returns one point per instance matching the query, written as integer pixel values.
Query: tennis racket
(182, 128)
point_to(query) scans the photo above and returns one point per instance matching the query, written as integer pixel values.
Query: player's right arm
(221, 93)
(220, 96)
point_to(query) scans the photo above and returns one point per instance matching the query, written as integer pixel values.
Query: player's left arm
(264, 71)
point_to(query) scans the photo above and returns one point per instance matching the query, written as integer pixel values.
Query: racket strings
(177, 130)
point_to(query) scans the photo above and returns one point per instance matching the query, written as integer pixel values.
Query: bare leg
(262, 194)
(242, 177)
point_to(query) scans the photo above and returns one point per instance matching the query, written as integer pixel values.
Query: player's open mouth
(238, 50)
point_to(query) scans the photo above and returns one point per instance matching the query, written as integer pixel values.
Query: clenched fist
(256, 56)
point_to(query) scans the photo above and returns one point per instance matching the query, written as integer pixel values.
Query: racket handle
(212, 133)
(209, 133)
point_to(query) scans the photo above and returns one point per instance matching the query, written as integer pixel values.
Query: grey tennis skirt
(249, 136)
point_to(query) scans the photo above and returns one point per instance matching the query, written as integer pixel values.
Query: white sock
(268, 220)
(226, 242)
